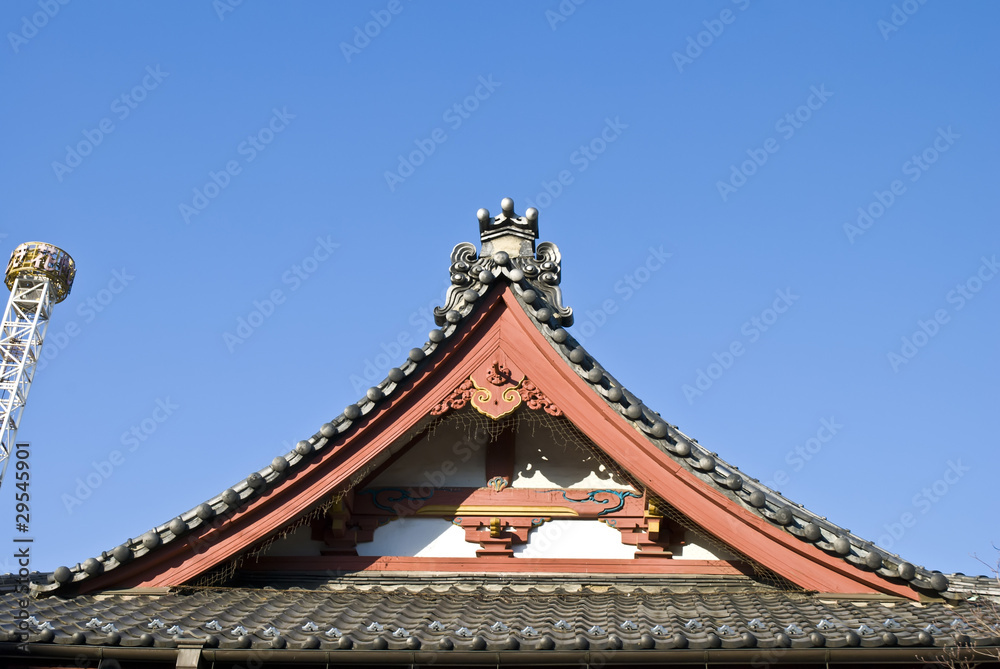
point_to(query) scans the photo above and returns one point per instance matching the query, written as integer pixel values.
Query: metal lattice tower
(38, 276)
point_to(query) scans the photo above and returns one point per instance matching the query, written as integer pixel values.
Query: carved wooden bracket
(496, 390)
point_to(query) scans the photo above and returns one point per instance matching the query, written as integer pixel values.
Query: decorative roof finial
(508, 232)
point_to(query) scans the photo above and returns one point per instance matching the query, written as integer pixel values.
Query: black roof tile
(705, 620)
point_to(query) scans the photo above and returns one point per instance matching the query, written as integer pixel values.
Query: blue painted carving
(620, 495)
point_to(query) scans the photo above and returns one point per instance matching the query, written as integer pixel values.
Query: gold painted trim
(486, 395)
(490, 510)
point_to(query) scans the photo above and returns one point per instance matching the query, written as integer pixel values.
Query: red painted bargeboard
(493, 565)
(499, 322)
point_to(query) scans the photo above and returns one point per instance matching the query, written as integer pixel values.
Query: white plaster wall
(419, 537)
(447, 458)
(539, 462)
(586, 539)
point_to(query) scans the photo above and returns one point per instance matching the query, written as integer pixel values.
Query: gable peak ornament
(508, 250)
(496, 390)
(498, 396)
(508, 232)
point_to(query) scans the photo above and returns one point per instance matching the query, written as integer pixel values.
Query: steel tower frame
(39, 276)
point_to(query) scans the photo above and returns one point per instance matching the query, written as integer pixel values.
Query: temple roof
(899, 605)
(535, 280)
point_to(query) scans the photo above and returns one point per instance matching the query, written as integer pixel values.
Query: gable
(555, 494)
(502, 351)
(536, 451)
(447, 455)
(520, 472)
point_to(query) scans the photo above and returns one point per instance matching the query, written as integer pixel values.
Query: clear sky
(822, 175)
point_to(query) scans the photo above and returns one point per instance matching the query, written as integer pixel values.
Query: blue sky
(835, 162)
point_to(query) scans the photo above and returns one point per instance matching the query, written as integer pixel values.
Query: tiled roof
(534, 281)
(496, 615)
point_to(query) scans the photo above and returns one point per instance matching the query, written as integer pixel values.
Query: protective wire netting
(479, 429)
